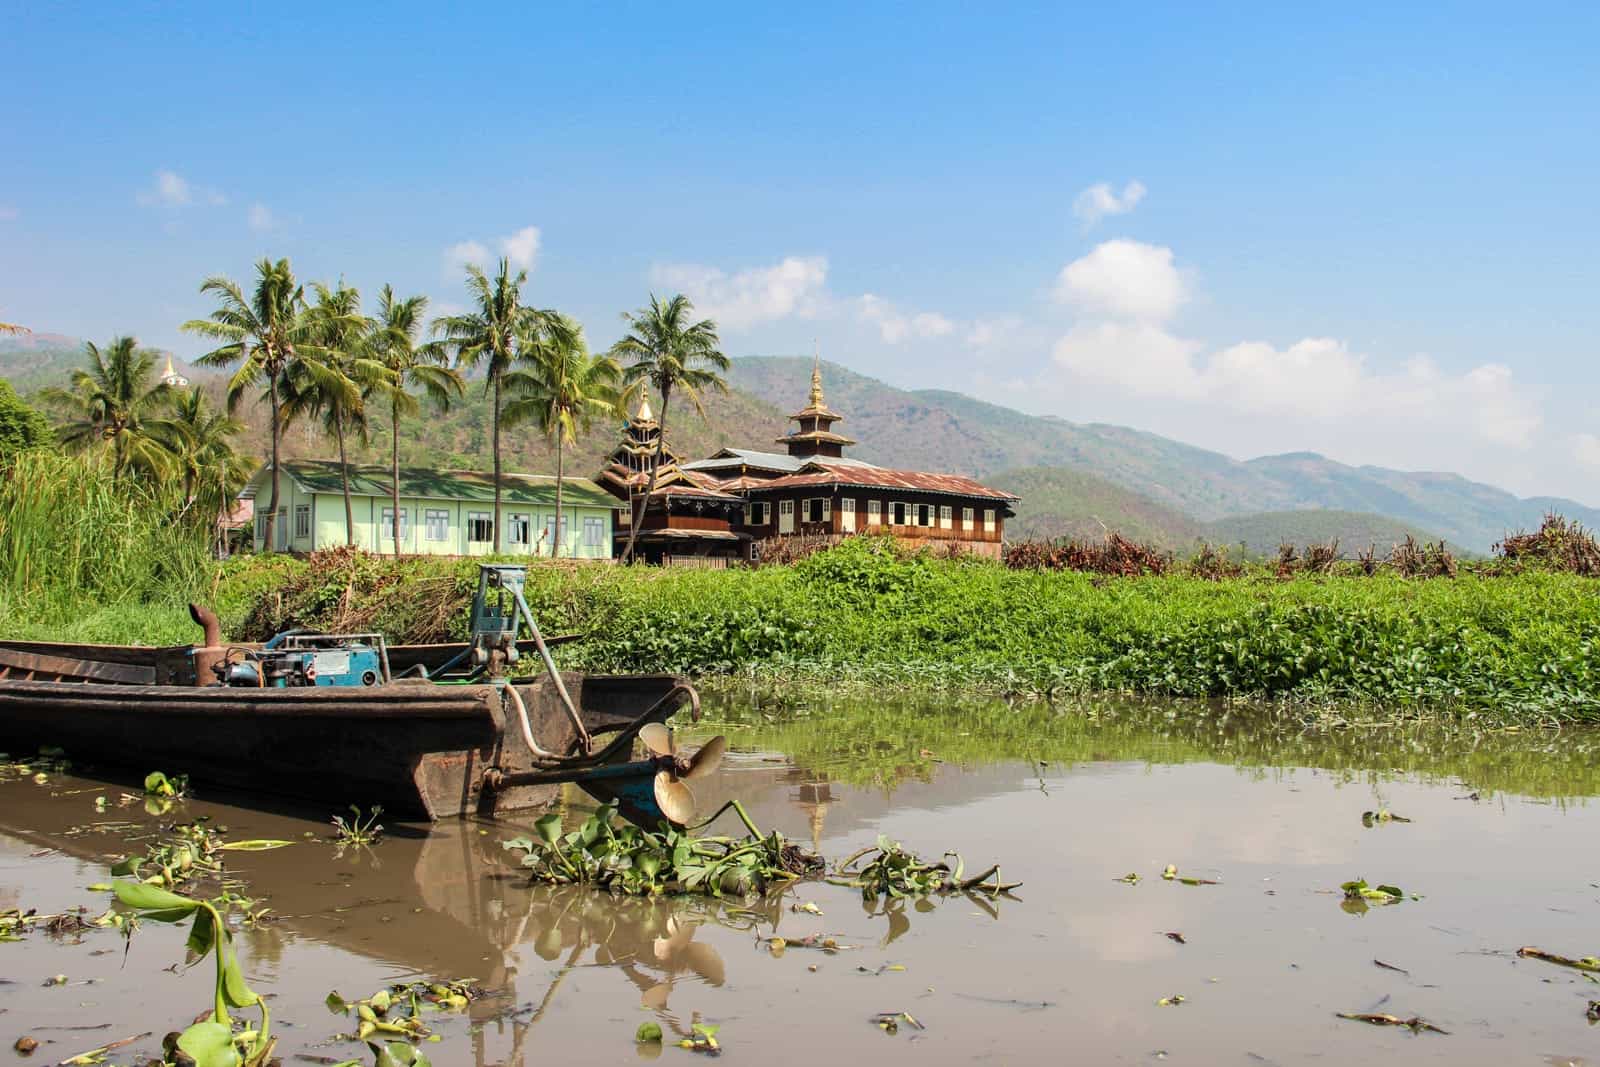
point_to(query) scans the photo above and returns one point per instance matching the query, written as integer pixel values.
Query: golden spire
(816, 377)
(644, 414)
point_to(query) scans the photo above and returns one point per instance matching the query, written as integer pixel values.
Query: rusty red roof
(882, 478)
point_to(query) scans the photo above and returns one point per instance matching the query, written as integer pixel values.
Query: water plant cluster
(625, 859)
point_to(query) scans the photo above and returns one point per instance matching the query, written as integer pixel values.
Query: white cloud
(1316, 379)
(465, 253)
(1100, 200)
(1586, 446)
(172, 189)
(522, 247)
(521, 250)
(986, 333)
(895, 325)
(794, 286)
(259, 218)
(1124, 279)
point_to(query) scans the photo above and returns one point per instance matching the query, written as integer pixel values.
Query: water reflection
(1066, 800)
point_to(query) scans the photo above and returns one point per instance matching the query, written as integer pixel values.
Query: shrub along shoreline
(1510, 646)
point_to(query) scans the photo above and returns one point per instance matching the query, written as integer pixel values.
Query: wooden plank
(83, 669)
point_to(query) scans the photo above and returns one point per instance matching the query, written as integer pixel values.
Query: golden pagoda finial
(816, 376)
(644, 414)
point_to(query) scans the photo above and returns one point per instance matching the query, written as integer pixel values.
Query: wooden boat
(418, 740)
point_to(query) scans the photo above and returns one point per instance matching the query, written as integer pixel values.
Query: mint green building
(442, 513)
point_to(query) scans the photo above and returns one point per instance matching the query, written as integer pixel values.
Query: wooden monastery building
(725, 506)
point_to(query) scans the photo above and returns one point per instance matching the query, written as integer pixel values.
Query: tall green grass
(85, 557)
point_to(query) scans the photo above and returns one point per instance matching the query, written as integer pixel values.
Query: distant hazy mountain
(1073, 478)
(940, 430)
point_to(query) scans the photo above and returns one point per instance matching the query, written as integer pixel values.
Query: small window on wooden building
(967, 518)
(817, 509)
(438, 525)
(874, 512)
(924, 514)
(897, 513)
(517, 530)
(946, 516)
(988, 520)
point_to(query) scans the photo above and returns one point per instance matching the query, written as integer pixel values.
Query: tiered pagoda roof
(815, 435)
(627, 469)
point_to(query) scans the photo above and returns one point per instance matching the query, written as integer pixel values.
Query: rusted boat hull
(416, 748)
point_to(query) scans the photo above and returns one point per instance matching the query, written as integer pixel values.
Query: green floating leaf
(147, 897)
(210, 1044)
(260, 845)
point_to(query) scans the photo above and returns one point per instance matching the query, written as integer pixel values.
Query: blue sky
(1369, 232)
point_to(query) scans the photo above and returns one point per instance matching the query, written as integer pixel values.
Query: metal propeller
(672, 791)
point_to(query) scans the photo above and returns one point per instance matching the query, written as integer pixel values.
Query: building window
(874, 512)
(946, 516)
(786, 507)
(966, 518)
(480, 527)
(386, 530)
(988, 520)
(517, 527)
(897, 514)
(818, 509)
(302, 521)
(757, 513)
(924, 514)
(438, 525)
(261, 528)
(594, 533)
(548, 535)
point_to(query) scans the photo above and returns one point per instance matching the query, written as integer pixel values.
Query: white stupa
(171, 377)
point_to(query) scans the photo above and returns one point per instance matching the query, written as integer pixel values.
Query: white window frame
(847, 514)
(594, 532)
(386, 527)
(549, 533)
(902, 516)
(947, 517)
(925, 514)
(261, 529)
(441, 516)
(969, 519)
(874, 513)
(302, 521)
(474, 517)
(786, 516)
(988, 520)
(757, 513)
(515, 519)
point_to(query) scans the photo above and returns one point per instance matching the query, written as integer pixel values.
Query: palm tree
(337, 386)
(497, 334)
(114, 402)
(268, 334)
(394, 344)
(672, 354)
(201, 441)
(562, 392)
(11, 327)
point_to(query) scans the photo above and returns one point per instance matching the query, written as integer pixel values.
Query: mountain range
(1074, 478)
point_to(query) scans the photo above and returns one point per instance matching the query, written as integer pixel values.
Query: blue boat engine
(296, 658)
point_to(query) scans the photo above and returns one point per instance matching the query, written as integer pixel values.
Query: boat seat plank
(82, 669)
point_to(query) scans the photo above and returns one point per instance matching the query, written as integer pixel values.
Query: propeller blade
(658, 739)
(705, 761)
(674, 798)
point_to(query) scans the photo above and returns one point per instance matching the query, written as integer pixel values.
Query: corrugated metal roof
(322, 476)
(882, 478)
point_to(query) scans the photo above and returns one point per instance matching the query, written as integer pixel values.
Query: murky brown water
(1070, 971)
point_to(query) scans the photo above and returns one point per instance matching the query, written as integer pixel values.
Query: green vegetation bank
(1515, 642)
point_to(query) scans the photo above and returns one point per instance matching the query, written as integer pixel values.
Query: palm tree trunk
(497, 465)
(394, 476)
(277, 432)
(555, 548)
(344, 477)
(650, 486)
